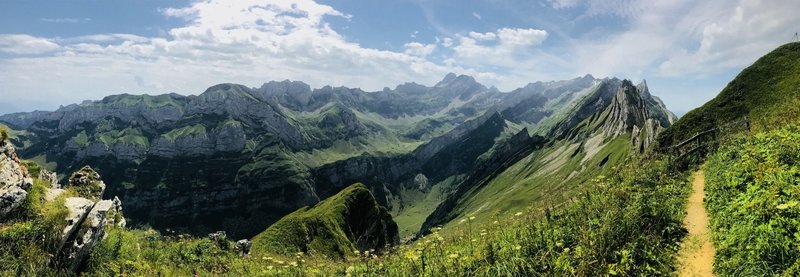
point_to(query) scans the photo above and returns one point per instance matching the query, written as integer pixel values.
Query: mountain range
(238, 159)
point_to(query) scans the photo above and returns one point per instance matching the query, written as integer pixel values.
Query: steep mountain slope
(767, 91)
(347, 222)
(605, 127)
(237, 158)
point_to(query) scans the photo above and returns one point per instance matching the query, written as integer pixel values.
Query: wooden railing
(707, 139)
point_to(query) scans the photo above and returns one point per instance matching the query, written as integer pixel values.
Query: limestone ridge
(617, 107)
(633, 110)
(14, 180)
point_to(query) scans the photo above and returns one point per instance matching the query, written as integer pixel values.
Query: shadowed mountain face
(237, 159)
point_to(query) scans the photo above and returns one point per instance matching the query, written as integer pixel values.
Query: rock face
(614, 108)
(14, 180)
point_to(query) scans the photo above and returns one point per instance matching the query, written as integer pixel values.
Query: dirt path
(696, 256)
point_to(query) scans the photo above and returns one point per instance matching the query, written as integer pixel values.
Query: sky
(56, 53)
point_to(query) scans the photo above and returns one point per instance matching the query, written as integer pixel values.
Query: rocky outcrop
(87, 183)
(86, 220)
(49, 177)
(635, 111)
(86, 234)
(14, 180)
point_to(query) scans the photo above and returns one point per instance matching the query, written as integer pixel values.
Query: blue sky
(60, 52)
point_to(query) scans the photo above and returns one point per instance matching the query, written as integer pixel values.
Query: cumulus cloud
(419, 49)
(25, 44)
(507, 47)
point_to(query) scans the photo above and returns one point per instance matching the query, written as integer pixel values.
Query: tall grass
(753, 197)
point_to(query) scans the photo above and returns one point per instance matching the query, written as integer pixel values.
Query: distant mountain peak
(451, 79)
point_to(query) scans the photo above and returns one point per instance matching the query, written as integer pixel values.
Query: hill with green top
(346, 223)
(768, 92)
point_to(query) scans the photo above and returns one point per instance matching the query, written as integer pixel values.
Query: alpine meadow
(399, 138)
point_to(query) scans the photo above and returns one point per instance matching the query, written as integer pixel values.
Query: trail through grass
(696, 257)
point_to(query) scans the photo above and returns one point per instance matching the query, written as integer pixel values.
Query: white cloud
(507, 47)
(482, 36)
(477, 15)
(419, 49)
(25, 44)
(563, 4)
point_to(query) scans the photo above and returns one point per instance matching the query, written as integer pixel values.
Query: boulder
(78, 246)
(243, 245)
(78, 208)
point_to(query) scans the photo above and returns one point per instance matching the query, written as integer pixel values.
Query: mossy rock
(337, 227)
(87, 183)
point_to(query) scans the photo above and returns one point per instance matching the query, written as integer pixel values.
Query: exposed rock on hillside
(14, 179)
(86, 220)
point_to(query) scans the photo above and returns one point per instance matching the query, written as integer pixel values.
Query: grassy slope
(30, 236)
(544, 178)
(768, 91)
(752, 198)
(627, 224)
(325, 229)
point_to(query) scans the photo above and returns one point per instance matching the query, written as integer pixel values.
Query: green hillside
(767, 91)
(348, 222)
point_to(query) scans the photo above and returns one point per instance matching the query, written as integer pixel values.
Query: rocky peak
(447, 79)
(294, 94)
(627, 110)
(634, 110)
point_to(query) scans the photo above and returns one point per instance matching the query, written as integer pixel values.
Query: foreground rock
(87, 219)
(14, 180)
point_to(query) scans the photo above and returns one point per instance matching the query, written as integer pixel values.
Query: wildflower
(517, 247)
(357, 252)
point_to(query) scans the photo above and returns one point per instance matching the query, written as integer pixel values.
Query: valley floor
(696, 257)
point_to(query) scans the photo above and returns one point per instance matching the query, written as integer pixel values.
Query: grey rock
(78, 208)
(10, 199)
(243, 245)
(50, 177)
(218, 236)
(77, 249)
(14, 180)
